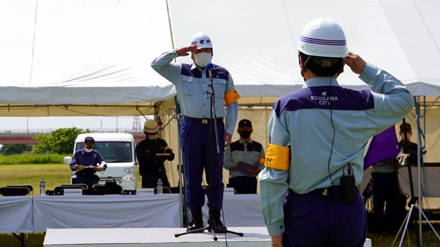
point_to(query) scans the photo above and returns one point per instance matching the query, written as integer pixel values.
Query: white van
(118, 151)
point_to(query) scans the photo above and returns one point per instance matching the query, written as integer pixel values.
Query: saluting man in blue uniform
(317, 136)
(197, 133)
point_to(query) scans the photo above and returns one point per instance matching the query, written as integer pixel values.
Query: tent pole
(183, 220)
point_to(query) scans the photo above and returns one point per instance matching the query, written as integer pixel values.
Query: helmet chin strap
(303, 69)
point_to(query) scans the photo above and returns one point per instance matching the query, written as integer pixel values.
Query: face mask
(88, 150)
(152, 137)
(245, 134)
(408, 135)
(202, 59)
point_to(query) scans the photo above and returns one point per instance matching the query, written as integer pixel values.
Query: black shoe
(215, 222)
(196, 224)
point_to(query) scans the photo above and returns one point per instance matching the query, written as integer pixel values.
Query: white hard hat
(201, 40)
(323, 37)
(150, 126)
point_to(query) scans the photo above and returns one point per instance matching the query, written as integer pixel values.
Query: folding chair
(31, 189)
(14, 191)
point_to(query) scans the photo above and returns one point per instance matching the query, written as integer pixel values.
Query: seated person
(89, 157)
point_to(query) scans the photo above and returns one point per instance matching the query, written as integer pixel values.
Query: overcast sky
(44, 123)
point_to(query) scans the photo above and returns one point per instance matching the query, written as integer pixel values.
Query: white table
(16, 214)
(36, 214)
(106, 211)
(154, 237)
(157, 237)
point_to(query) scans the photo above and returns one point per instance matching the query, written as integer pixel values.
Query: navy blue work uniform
(91, 159)
(197, 129)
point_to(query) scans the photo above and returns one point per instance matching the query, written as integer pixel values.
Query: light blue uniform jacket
(327, 128)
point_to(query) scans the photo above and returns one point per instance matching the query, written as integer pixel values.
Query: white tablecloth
(432, 188)
(432, 181)
(239, 210)
(36, 214)
(107, 211)
(16, 214)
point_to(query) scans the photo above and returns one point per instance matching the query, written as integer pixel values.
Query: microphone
(209, 67)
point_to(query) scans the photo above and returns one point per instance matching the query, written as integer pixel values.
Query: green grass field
(55, 174)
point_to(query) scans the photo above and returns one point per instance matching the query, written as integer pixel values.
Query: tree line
(59, 141)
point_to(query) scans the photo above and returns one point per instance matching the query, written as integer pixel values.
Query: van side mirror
(67, 160)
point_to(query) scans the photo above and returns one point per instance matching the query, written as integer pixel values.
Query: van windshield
(112, 152)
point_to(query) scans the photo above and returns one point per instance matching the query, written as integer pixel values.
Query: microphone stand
(212, 228)
(405, 146)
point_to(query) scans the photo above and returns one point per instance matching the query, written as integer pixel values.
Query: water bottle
(42, 187)
(159, 186)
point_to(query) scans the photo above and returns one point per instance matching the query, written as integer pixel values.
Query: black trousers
(89, 179)
(244, 185)
(149, 179)
(385, 189)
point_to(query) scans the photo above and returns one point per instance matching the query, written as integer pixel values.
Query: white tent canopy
(92, 58)
(79, 57)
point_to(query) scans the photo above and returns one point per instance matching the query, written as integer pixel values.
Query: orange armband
(278, 157)
(231, 97)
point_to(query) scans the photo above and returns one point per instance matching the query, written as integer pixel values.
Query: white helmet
(150, 126)
(201, 40)
(323, 37)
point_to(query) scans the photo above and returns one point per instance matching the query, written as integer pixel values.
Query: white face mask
(152, 137)
(202, 59)
(88, 150)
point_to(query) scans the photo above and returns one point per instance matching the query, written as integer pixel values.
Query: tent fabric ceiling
(65, 58)
(92, 58)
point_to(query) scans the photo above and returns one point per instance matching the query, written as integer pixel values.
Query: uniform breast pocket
(219, 87)
(190, 85)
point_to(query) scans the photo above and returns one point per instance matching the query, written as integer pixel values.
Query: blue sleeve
(170, 71)
(227, 157)
(231, 109)
(73, 162)
(274, 183)
(391, 97)
(231, 117)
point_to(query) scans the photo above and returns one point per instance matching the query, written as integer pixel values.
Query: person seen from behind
(317, 137)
